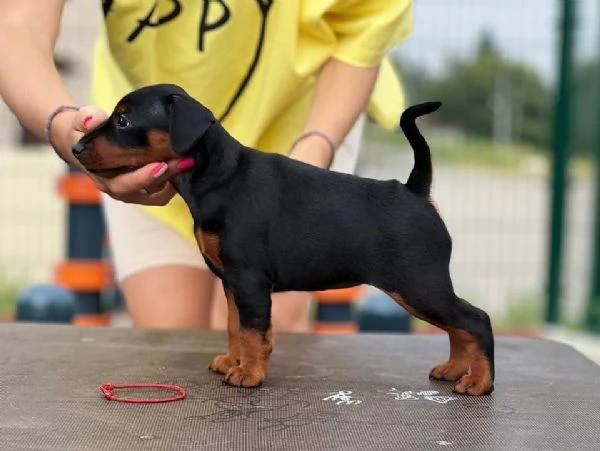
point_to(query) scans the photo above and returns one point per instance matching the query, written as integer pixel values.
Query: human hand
(148, 185)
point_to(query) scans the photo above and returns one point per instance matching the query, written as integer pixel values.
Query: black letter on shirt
(146, 22)
(205, 26)
(264, 6)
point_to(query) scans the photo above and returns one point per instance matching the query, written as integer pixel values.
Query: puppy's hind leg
(471, 337)
(432, 299)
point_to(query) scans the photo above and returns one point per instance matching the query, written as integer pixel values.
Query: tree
(491, 96)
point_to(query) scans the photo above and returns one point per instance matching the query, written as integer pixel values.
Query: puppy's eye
(123, 122)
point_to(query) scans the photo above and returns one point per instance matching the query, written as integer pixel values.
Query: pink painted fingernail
(159, 170)
(85, 120)
(186, 164)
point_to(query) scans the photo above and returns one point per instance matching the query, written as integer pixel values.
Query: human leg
(163, 277)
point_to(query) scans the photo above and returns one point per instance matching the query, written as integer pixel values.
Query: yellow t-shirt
(251, 62)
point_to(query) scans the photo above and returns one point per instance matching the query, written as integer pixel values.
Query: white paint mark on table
(440, 399)
(403, 396)
(428, 395)
(342, 397)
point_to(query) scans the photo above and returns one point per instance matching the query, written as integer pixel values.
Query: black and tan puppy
(266, 223)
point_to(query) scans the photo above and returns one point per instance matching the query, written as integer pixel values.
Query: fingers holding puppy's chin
(146, 186)
(151, 196)
(157, 198)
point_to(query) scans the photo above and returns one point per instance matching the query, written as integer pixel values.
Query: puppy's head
(151, 124)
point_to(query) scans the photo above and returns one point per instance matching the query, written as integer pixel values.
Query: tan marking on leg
(222, 363)
(210, 246)
(255, 350)
(458, 362)
(479, 382)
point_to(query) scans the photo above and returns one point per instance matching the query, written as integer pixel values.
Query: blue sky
(524, 29)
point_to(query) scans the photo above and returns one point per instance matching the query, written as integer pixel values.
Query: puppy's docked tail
(419, 181)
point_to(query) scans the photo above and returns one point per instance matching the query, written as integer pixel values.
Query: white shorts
(134, 232)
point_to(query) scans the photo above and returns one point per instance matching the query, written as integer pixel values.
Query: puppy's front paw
(222, 363)
(452, 370)
(239, 376)
(474, 386)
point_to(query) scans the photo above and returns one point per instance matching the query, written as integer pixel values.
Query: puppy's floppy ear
(188, 121)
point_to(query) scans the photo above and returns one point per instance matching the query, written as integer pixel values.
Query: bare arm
(32, 88)
(342, 93)
(29, 82)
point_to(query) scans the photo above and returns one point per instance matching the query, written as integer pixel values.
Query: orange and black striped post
(335, 311)
(84, 271)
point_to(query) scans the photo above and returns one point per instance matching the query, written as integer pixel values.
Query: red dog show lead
(108, 388)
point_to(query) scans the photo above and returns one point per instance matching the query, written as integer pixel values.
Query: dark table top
(322, 392)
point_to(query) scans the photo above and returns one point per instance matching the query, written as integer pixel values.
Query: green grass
(482, 153)
(524, 311)
(8, 297)
(527, 311)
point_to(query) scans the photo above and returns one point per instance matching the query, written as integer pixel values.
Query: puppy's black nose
(78, 148)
